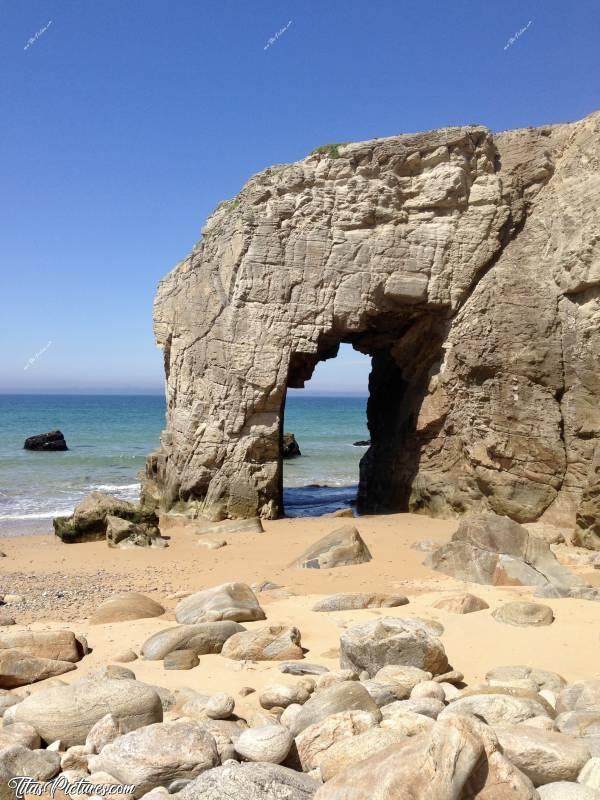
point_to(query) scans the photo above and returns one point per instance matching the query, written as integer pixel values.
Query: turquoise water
(109, 438)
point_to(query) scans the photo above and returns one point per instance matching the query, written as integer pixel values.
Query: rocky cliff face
(466, 263)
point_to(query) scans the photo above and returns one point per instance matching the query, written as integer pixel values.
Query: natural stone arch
(457, 259)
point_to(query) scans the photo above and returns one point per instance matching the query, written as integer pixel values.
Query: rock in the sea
(356, 600)
(375, 644)
(158, 754)
(250, 782)
(54, 440)
(88, 521)
(348, 696)
(289, 446)
(495, 550)
(544, 756)
(205, 638)
(181, 659)
(56, 645)
(273, 643)
(69, 713)
(461, 603)
(587, 521)
(269, 743)
(229, 601)
(340, 548)
(126, 606)
(524, 614)
(20, 669)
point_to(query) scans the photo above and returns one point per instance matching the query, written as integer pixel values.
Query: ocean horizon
(110, 435)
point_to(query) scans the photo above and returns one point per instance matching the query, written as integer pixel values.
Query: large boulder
(157, 755)
(273, 643)
(47, 442)
(314, 742)
(229, 601)
(250, 782)
(19, 669)
(457, 758)
(58, 645)
(69, 713)
(380, 642)
(204, 638)
(347, 751)
(340, 548)
(267, 743)
(579, 696)
(495, 550)
(88, 521)
(496, 705)
(126, 606)
(124, 533)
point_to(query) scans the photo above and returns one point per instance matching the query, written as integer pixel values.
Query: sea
(109, 437)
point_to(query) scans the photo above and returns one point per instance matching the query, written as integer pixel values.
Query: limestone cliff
(466, 263)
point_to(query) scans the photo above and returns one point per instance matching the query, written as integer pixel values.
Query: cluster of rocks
(395, 720)
(104, 517)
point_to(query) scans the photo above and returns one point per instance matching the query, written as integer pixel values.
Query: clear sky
(125, 122)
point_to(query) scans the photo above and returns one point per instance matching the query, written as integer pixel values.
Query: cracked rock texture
(465, 263)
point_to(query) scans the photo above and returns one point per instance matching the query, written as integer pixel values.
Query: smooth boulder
(126, 606)
(348, 696)
(461, 603)
(204, 639)
(369, 646)
(69, 713)
(544, 756)
(524, 614)
(229, 601)
(267, 743)
(56, 645)
(356, 600)
(340, 548)
(19, 669)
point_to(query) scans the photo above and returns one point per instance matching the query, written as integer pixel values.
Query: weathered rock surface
(314, 741)
(461, 604)
(125, 606)
(372, 645)
(157, 755)
(229, 601)
(340, 548)
(354, 600)
(250, 782)
(345, 752)
(524, 614)
(495, 550)
(124, 533)
(88, 521)
(567, 790)
(204, 638)
(457, 758)
(181, 659)
(460, 260)
(499, 706)
(273, 643)
(68, 713)
(53, 440)
(587, 521)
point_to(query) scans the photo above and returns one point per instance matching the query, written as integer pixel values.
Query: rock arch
(466, 264)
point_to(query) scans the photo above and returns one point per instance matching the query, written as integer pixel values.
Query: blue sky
(125, 123)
